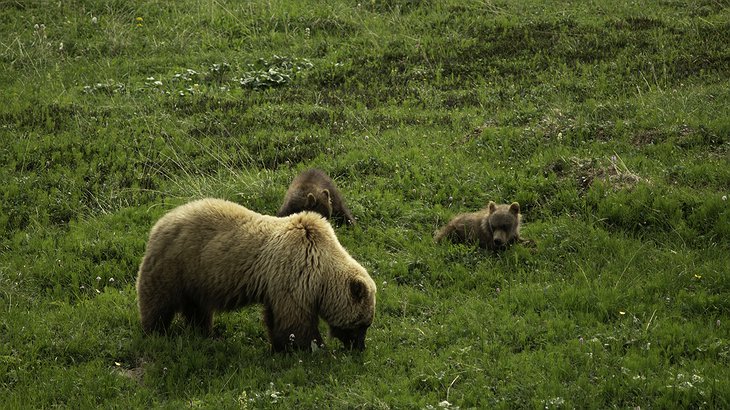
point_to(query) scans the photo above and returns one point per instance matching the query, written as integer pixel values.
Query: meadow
(609, 122)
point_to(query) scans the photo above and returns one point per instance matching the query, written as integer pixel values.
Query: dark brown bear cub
(494, 227)
(313, 190)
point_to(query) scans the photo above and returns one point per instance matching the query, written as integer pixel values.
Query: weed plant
(608, 121)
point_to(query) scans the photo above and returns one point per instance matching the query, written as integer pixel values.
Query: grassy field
(608, 121)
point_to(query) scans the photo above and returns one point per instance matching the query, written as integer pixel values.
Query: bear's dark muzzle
(353, 339)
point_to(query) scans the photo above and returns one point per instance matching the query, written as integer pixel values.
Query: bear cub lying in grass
(213, 255)
(494, 227)
(314, 190)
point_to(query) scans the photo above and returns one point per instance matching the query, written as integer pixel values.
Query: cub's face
(504, 223)
(357, 314)
(319, 202)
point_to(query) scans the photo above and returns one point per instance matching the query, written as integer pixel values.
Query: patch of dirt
(555, 124)
(585, 171)
(648, 137)
(474, 134)
(135, 373)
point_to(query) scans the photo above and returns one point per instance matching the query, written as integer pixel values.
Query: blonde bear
(213, 255)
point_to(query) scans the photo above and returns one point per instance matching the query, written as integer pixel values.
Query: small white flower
(98, 278)
(724, 197)
(94, 20)
(111, 279)
(158, 83)
(60, 46)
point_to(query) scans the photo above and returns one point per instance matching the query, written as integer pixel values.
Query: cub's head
(319, 201)
(503, 221)
(348, 306)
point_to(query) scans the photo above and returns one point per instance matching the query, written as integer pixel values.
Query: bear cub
(494, 227)
(213, 255)
(314, 190)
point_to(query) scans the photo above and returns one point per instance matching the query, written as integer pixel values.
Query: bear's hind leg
(157, 319)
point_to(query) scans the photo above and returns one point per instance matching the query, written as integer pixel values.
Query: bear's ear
(311, 201)
(492, 206)
(514, 208)
(326, 193)
(358, 290)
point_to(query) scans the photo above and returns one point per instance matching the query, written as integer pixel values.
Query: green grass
(608, 121)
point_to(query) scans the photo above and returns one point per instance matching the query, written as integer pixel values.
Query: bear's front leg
(286, 333)
(199, 317)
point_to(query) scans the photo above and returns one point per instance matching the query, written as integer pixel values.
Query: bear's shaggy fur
(493, 227)
(314, 190)
(213, 255)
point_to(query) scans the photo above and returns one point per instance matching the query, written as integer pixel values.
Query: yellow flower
(139, 19)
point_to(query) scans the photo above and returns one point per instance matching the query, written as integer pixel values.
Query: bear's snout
(500, 239)
(353, 339)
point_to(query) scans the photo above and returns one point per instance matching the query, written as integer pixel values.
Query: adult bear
(213, 255)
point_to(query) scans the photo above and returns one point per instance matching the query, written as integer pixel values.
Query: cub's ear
(311, 201)
(492, 206)
(326, 193)
(514, 208)
(358, 290)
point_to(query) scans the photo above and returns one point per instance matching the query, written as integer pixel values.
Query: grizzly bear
(212, 255)
(493, 227)
(314, 190)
